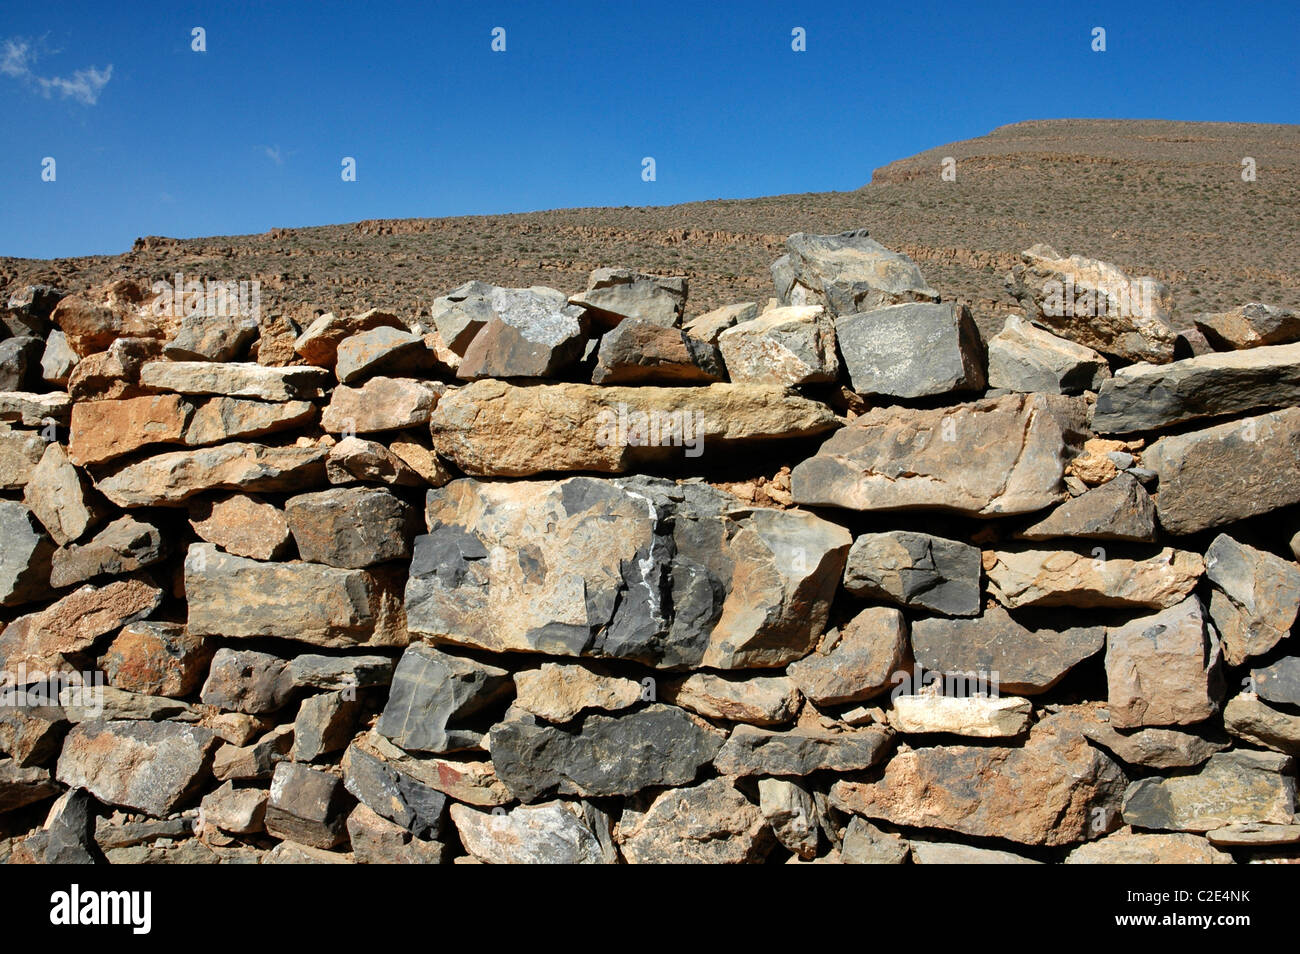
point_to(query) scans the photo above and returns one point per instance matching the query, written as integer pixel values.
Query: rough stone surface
(307, 806)
(244, 680)
(1001, 455)
(1254, 721)
(791, 813)
(172, 478)
(20, 452)
(25, 552)
(319, 344)
(641, 352)
(709, 823)
(911, 350)
(1255, 598)
(351, 527)
(1093, 303)
(60, 497)
(432, 688)
(1136, 848)
(847, 273)
(752, 750)
(1279, 682)
(748, 589)
(324, 724)
(1041, 793)
(104, 430)
(1023, 357)
(150, 767)
(708, 326)
(124, 546)
(533, 333)
(756, 699)
(783, 347)
(855, 662)
(353, 459)
(1090, 579)
(1119, 509)
(551, 833)
(235, 380)
(1227, 472)
(915, 569)
(225, 419)
(1237, 787)
(975, 716)
(619, 294)
(380, 350)
(325, 606)
(492, 428)
(381, 404)
(558, 692)
(1249, 326)
(161, 659)
(1164, 669)
(241, 524)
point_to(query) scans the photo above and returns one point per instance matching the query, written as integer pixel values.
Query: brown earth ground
(1157, 198)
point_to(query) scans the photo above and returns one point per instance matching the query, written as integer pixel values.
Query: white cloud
(84, 86)
(273, 153)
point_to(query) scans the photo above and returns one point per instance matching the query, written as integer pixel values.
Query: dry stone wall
(589, 579)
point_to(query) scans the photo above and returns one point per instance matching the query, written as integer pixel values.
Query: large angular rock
(104, 430)
(1237, 787)
(1144, 397)
(255, 761)
(1090, 579)
(325, 606)
(635, 569)
(307, 806)
(1095, 304)
(239, 811)
(353, 459)
(915, 569)
(603, 755)
(557, 692)
(1119, 509)
(27, 312)
(30, 734)
(911, 350)
(751, 750)
(352, 527)
(1255, 598)
(244, 680)
(161, 659)
(1249, 326)
(236, 380)
(59, 496)
(709, 325)
(381, 404)
(461, 778)
(226, 419)
(709, 823)
(209, 337)
(533, 333)
(1228, 472)
(783, 347)
(124, 546)
(495, 429)
(1249, 718)
(19, 362)
(340, 672)
(25, 553)
(791, 813)
(72, 624)
(377, 841)
(1025, 358)
(865, 844)
(1049, 791)
(150, 767)
(241, 524)
(381, 351)
(34, 410)
(855, 662)
(392, 792)
(997, 456)
(57, 359)
(20, 452)
(319, 344)
(1279, 682)
(1163, 669)
(847, 273)
(1030, 652)
(432, 688)
(614, 295)
(1137, 848)
(324, 724)
(113, 374)
(975, 716)
(759, 700)
(641, 352)
(1156, 748)
(552, 833)
(172, 478)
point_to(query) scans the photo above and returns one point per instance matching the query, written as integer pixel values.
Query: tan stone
(172, 478)
(224, 419)
(59, 496)
(244, 525)
(1133, 848)
(381, 404)
(319, 344)
(758, 700)
(976, 716)
(1091, 579)
(103, 430)
(557, 692)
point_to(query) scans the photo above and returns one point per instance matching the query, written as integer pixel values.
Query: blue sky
(152, 138)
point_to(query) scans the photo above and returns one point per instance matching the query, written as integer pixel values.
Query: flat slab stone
(912, 350)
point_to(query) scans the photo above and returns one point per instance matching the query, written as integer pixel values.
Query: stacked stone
(548, 578)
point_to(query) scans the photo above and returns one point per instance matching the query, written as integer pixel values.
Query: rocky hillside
(526, 576)
(1158, 198)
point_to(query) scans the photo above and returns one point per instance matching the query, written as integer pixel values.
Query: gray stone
(1255, 598)
(352, 527)
(34, 410)
(1086, 578)
(1249, 718)
(915, 569)
(353, 459)
(865, 844)
(1119, 509)
(1237, 787)
(927, 852)
(912, 350)
(255, 761)
(431, 689)
(70, 830)
(222, 419)
(340, 672)
(20, 452)
(380, 404)
(603, 755)
(124, 546)
(791, 812)
(533, 333)
(394, 793)
(377, 841)
(1249, 326)
(236, 380)
(1228, 472)
(784, 347)
(324, 724)
(381, 350)
(1279, 682)
(667, 575)
(751, 750)
(27, 311)
(25, 553)
(19, 362)
(1001, 455)
(306, 602)
(307, 806)
(243, 680)
(1144, 397)
(708, 326)
(709, 823)
(60, 497)
(618, 294)
(150, 767)
(847, 273)
(1164, 669)
(319, 344)
(1025, 358)
(1030, 652)
(208, 337)
(641, 352)
(23, 785)
(551, 833)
